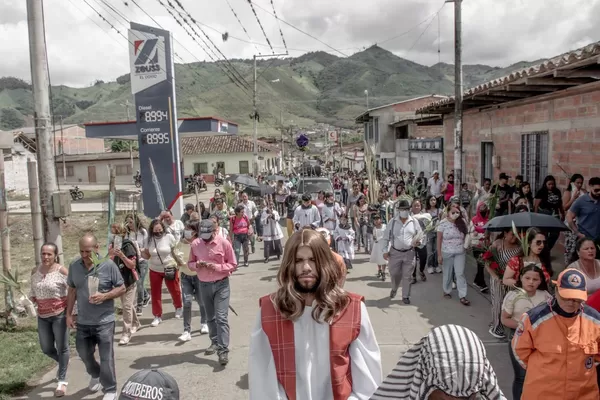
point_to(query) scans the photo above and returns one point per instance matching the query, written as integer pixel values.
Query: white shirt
(435, 188)
(160, 249)
(313, 367)
(176, 229)
(250, 209)
(306, 216)
(403, 234)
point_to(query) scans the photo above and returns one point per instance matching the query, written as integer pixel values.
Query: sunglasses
(540, 242)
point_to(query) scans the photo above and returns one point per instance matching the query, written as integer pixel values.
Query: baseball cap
(150, 384)
(206, 229)
(571, 284)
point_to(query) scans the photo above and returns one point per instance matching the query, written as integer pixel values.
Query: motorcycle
(76, 193)
(218, 182)
(137, 180)
(201, 183)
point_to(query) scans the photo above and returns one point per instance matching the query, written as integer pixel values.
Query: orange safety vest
(342, 332)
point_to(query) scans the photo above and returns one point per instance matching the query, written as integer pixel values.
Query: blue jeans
(54, 341)
(86, 340)
(190, 290)
(519, 381)
(240, 242)
(142, 293)
(215, 296)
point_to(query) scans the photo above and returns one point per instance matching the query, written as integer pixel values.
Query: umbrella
(259, 190)
(526, 220)
(245, 180)
(276, 178)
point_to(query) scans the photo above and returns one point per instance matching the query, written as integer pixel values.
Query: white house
(230, 154)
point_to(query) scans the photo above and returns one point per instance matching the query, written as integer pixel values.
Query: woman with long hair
(537, 254)
(135, 230)
(478, 242)
(420, 252)
(548, 200)
(362, 219)
(584, 259)
(431, 208)
(451, 234)
(49, 291)
(532, 289)
(524, 191)
(310, 319)
(159, 252)
(572, 192)
(505, 247)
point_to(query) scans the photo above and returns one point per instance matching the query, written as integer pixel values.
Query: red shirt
(515, 265)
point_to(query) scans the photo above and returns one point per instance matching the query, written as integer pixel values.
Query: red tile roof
(568, 60)
(222, 144)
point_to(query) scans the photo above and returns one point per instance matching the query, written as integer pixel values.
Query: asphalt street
(397, 326)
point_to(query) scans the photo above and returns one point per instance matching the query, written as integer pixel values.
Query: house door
(92, 174)
(221, 167)
(487, 169)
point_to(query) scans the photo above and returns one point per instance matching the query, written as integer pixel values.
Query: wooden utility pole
(37, 221)
(458, 94)
(40, 82)
(62, 141)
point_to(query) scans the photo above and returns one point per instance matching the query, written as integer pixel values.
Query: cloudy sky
(82, 47)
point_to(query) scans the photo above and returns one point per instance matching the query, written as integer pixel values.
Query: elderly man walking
(399, 240)
(212, 257)
(94, 285)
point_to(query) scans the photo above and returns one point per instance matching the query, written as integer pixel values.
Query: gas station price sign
(154, 122)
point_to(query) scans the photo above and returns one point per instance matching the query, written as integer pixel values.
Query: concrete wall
(78, 171)
(15, 173)
(571, 117)
(426, 162)
(231, 160)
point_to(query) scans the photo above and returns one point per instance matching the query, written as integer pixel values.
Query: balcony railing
(436, 144)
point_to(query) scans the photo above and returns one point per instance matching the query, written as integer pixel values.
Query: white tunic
(271, 228)
(313, 368)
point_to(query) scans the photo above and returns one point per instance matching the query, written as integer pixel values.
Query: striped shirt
(450, 358)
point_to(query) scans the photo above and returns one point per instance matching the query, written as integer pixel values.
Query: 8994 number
(157, 138)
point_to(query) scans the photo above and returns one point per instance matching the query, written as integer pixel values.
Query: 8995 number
(157, 138)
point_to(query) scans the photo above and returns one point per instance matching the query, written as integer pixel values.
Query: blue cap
(571, 284)
(150, 384)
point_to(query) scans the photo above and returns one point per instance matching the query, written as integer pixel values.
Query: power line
(244, 82)
(242, 25)
(278, 24)
(411, 29)
(298, 29)
(261, 26)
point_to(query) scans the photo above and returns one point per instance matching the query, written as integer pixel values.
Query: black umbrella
(276, 178)
(260, 190)
(526, 220)
(245, 180)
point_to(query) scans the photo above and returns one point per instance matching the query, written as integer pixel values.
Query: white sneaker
(109, 396)
(438, 270)
(203, 329)
(94, 385)
(155, 322)
(430, 270)
(179, 313)
(185, 337)
(453, 285)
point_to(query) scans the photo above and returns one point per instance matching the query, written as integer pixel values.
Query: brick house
(537, 121)
(389, 129)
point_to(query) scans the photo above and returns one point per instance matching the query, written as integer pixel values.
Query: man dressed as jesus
(312, 340)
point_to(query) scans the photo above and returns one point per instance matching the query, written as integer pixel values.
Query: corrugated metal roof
(570, 59)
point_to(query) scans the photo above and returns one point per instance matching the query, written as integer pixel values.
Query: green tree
(120, 146)
(11, 119)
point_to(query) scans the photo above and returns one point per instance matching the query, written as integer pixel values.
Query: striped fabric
(450, 358)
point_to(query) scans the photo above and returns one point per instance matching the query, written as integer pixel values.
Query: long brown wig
(330, 298)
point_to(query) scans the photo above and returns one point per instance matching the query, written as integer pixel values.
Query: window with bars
(534, 158)
(376, 128)
(201, 168)
(244, 167)
(487, 153)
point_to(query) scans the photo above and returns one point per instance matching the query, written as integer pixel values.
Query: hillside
(315, 87)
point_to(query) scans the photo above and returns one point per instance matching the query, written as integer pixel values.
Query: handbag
(170, 270)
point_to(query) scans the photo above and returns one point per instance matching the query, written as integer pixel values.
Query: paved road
(397, 326)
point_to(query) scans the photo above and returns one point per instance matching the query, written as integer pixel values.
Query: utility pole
(62, 141)
(282, 149)
(255, 114)
(36, 211)
(458, 93)
(40, 81)
(127, 104)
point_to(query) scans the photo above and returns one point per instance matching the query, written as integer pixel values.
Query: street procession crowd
(314, 340)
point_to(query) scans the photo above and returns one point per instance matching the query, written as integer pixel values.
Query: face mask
(207, 240)
(453, 216)
(158, 235)
(403, 213)
(188, 234)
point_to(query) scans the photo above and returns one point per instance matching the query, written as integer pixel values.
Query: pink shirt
(218, 252)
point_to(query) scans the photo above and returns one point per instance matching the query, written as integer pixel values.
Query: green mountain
(314, 88)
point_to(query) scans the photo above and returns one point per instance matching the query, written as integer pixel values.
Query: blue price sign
(153, 87)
